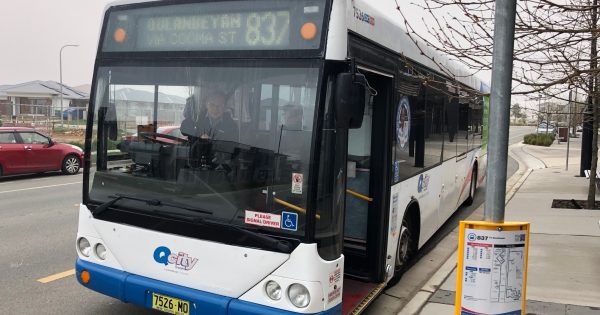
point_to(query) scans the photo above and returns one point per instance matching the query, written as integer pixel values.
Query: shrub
(539, 139)
(0, 122)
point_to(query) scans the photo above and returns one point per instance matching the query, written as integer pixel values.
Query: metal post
(504, 34)
(568, 130)
(61, 84)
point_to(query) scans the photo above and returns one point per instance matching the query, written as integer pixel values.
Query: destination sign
(227, 25)
(215, 31)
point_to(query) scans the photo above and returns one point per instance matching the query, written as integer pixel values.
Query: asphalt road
(37, 240)
(38, 227)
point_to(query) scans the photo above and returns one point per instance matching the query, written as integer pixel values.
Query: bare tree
(555, 46)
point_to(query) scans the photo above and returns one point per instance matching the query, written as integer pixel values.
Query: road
(38, 230)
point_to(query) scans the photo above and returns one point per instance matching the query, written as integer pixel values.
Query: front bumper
(131, 288)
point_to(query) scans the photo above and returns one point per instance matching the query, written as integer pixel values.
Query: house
(39, 98)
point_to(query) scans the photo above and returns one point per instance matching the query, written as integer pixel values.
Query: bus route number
(267, 28)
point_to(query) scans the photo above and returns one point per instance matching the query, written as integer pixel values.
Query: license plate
(170, 305)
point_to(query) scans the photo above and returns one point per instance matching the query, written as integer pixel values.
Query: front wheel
(71, 165)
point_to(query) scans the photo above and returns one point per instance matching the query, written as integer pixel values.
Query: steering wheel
(154, 137)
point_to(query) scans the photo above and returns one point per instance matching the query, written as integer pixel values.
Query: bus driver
(215, 123)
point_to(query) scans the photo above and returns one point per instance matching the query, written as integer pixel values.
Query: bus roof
(374, 20)
(380, 22)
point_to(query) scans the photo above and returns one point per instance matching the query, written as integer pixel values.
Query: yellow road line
(57, 276)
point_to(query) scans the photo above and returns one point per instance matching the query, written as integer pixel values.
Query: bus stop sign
(491, 275)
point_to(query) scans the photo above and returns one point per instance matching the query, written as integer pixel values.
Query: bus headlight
(273, 290)
(100, 251)
(84, 246)
(299, 295)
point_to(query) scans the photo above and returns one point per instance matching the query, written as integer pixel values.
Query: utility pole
(569, 129)
(504, 34)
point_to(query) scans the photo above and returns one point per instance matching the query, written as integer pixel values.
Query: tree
(516, 111)
(555, 46)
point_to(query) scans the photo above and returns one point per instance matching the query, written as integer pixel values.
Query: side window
(7, 137)
(463, 143)
(451, 131)
(404, 144)
(476, 122)
(33, 138)
(434, 126)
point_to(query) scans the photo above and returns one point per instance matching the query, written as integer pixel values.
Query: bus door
(366, 214)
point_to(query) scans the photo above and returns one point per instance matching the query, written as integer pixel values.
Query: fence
(44, 118)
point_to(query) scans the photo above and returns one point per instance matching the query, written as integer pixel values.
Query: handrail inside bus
(292, 206)
(359, 195)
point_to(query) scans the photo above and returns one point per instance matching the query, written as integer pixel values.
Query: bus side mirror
(349, 100)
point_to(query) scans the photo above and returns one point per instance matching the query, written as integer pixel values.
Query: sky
(33, 31)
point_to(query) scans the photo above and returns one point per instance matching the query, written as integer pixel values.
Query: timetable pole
(499, 119)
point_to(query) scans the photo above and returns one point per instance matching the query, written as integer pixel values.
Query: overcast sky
(33, 31)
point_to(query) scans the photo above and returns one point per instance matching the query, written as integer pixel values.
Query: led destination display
(215, 31)
(216, 26)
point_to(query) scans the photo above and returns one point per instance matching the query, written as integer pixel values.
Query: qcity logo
(181, 260)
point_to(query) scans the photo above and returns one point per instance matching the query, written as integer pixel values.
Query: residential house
(39, 98)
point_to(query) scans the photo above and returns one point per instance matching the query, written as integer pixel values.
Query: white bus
(268, 156)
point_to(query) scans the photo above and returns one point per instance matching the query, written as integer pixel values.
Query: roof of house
(128, 94)
(43, 88)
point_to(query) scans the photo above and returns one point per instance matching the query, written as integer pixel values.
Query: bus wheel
(405, 251)
(472, 187)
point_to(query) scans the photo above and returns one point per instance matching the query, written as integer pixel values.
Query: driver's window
(33, 138)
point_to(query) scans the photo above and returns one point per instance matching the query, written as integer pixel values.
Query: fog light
(85, 277)
(299, 295)
(84, 246)
(100, 251)
(273, 290)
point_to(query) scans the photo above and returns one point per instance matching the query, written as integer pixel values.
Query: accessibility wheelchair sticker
(289, 221)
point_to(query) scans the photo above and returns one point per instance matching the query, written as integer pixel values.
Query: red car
(24, 150)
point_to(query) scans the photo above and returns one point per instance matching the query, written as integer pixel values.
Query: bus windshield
(234, 141)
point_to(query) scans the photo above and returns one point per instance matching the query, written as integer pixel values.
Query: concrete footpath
(564, 248)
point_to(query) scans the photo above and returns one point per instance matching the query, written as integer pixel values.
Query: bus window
(451, 128)
(462, 140)
(408, 124)
(237, 153)
(434, 126)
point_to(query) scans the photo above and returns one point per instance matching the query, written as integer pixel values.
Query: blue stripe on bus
(138, 290)
(238, 307)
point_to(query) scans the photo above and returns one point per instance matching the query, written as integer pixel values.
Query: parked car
(544, 128)
(24, 150)
(73, 113)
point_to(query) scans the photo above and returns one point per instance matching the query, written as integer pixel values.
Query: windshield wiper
(268, 241)
(151, 202)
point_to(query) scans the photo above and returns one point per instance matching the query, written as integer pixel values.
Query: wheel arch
(413, 215)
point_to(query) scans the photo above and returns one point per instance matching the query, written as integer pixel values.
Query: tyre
(71, 165)
(472, 188)
(407, 248)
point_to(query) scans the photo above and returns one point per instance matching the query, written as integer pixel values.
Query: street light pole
(61, 84)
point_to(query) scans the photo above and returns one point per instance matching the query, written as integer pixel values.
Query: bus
(268, 156)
